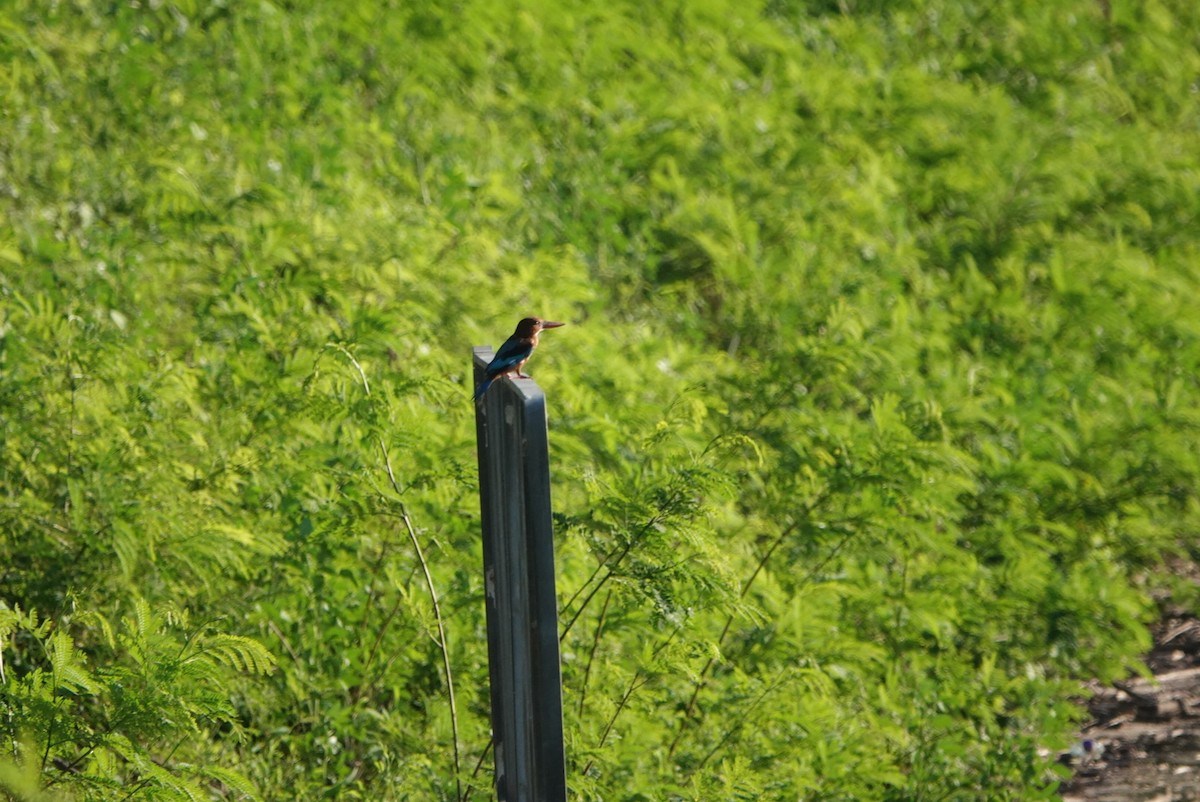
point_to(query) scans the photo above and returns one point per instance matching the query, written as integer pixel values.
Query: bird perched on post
(515, 352)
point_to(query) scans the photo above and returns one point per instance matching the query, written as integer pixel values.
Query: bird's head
(530, 326)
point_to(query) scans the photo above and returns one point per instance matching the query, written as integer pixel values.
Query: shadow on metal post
(522, 608)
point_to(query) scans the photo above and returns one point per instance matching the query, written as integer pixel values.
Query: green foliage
(108, 731)
(873, 430)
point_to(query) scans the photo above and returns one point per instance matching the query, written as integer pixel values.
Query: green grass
(873, 428)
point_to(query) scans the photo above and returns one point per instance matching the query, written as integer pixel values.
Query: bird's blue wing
(483, 388)
(512, 353)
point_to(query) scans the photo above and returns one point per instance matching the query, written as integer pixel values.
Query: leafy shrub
(872, 429)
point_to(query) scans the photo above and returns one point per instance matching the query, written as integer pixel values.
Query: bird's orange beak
(550, 324)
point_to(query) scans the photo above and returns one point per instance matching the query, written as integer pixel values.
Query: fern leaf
(238, 652)
(68, 671)
(233, 780)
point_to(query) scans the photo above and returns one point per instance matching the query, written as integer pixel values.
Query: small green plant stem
(638, 681)
(443, 643)
(689, 710)
(587, 671)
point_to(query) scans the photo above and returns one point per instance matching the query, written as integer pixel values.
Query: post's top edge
(526, 390)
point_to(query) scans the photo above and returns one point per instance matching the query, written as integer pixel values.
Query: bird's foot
(521, 375)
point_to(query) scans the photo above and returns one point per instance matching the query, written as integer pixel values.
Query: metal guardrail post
(522, 608)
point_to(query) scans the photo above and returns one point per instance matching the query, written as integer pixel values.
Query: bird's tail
(483, 388)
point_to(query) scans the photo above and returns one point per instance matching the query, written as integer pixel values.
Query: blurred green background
(873, 429)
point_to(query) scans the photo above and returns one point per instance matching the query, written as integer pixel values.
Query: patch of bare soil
(1143, 743)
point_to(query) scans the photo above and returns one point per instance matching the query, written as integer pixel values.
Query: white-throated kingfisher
(515, 352)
